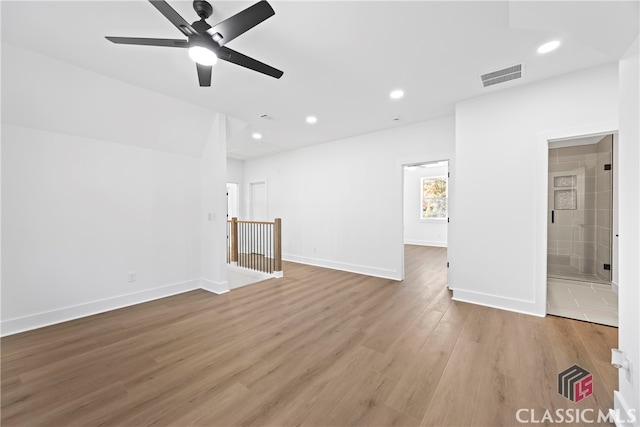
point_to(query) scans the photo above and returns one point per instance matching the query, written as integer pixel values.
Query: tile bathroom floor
(592, 302)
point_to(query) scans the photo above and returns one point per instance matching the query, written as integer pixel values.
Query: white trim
(615, 212)
(237, 206)
(494, 301)
(426, 243)
(620, 407)
(217, 288)
(40, 320)
(343, 266)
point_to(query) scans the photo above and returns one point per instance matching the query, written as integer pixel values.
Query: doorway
(580, 228)
(426, 204)
(233, 201)
(258, 206)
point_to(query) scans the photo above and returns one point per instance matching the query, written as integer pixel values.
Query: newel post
(234, 239)
(277, 243)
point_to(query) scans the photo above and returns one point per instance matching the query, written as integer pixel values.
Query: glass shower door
(579, 223)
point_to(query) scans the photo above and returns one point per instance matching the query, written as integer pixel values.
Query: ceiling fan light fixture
(202, 55)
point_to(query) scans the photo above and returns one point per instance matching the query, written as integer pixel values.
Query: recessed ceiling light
(548, 47)
(312, 119)
(396, 94)
(256, 136)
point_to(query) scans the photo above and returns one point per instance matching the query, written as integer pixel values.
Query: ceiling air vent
(501, 76)
(266, 117)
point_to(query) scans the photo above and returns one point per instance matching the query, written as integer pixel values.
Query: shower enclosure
(580, 211)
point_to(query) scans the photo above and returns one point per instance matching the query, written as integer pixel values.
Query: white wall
(235, 170)
(341, 202)
(417, 231)
(629, 228)
(497, 234)
(213, 197)
(101, 178)
(79, 214)
(40, 92)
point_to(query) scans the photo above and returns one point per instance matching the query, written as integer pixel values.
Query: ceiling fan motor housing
(202, 8)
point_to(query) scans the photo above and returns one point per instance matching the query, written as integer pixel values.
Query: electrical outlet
(132, 276)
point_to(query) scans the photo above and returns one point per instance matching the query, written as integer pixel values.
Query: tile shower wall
(604, 203)
(580, 194)
(572, 236)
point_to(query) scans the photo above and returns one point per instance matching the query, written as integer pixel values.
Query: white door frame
(237, 199)
(251, 203)
(541, 199)
(447, 158)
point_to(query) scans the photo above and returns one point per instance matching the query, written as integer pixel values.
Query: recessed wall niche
(564, 200)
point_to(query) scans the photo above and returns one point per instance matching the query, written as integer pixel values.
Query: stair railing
(256, 245)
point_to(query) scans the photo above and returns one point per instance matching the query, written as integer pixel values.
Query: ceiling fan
(206, 44)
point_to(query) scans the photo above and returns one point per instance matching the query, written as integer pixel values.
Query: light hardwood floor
(317, 347)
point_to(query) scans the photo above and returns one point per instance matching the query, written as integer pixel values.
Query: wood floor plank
(536, 387)
(317, 347)
(459, 383)
(326, 390)
(351, 375)
(404, 351)
(207, 414)
(360, 406)
(418, 385)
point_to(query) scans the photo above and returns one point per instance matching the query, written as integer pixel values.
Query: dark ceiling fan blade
(148, 42)
(247, 62)
(174, 17)
(204, 74)
(232, 27)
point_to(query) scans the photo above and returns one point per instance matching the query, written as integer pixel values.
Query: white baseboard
(217, 288)
(494, 301)
(352, 268)
(425, 243)
(40, 320)
(614, 287)
(623, 416)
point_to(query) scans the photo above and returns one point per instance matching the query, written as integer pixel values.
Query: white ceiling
(340, 58)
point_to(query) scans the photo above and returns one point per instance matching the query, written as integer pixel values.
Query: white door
(259, 201)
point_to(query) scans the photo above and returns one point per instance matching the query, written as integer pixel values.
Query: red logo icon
(575, 383)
